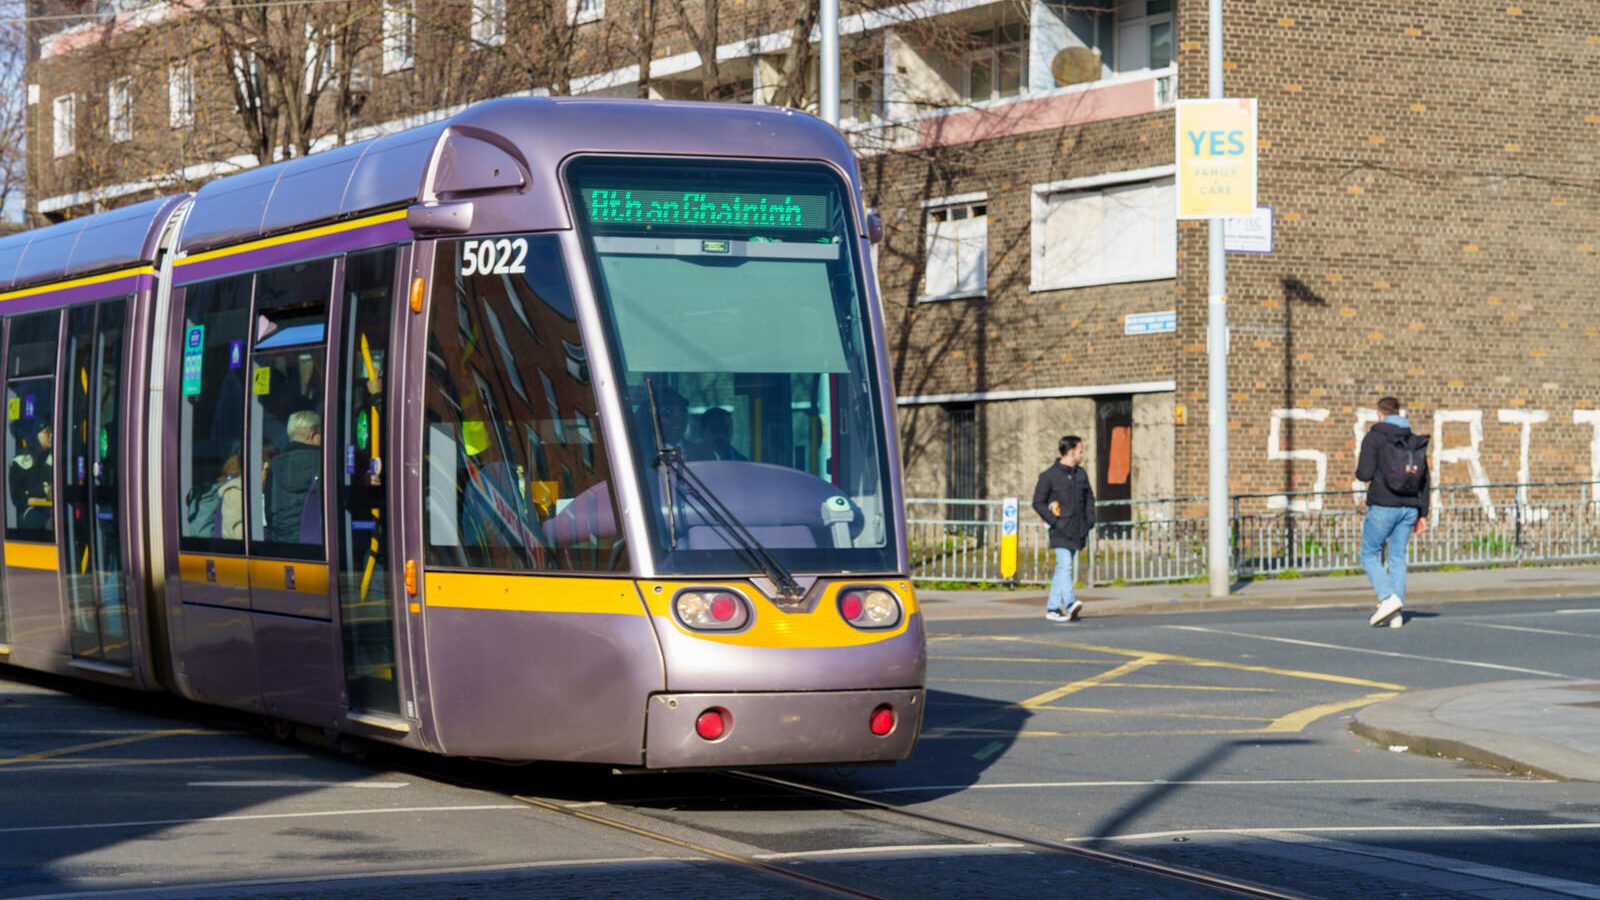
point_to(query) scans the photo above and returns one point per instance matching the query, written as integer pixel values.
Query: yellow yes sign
(1216, 158)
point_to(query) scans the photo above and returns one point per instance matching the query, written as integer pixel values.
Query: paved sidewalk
(1422, 587)
(1545, 728)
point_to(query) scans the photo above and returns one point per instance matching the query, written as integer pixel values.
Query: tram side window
(30, 427)
(216, 317)
(517, 474)
(287, 366)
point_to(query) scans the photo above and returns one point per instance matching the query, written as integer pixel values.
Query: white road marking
(207, 888)
(1444, 864)
(302, 783)
(901, 848)
(202, 820)
(1576, 634)
(1336, 829)
(1389, 653)
(1035, 785)
(1576, 612)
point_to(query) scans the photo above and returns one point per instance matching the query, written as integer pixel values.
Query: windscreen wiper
(698, 493)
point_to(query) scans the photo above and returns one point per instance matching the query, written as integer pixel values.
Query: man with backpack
(1395, 462)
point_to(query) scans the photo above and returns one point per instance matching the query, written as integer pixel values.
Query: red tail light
(712, 724)
(882, 720)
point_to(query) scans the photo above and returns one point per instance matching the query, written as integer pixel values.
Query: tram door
(363, 526)
(91, 548)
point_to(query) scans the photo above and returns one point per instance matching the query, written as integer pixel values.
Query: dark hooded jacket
(1378, 493)
(1068, 486)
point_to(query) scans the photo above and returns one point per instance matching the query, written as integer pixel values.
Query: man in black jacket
(1395, 462)
(1064, 500)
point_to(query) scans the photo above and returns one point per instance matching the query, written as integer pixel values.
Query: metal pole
(829, 63)
(1217, 353)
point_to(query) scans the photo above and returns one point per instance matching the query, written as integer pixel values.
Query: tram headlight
(711, 609)
(869, 608)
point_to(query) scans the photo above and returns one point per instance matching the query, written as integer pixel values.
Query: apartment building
(1430, 174)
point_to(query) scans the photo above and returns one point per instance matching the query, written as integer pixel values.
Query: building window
(958, 248)
(961, 465)
(65, 123)
(399, 36)
(581, 11)
(995, 68)
(119, 110)
(321, 56)
(489, 22)
(180, 96)
(1144, 35)
(1106, 229)
(862, 98)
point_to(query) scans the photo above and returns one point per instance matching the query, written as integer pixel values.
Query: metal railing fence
(1280, 534)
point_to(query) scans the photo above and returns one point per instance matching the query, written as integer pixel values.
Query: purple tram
(557, 430)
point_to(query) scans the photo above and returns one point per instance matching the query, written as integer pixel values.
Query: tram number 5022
(497, 257)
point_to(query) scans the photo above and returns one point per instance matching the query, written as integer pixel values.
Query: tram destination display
(705, 209)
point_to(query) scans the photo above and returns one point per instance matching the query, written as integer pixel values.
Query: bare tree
(13, 110)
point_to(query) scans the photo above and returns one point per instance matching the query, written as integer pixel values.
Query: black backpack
(1402, 464)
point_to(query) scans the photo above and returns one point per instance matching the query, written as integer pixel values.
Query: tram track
(591, 812)
(1179, 873)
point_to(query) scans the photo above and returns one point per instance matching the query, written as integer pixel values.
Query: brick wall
(1433, 176)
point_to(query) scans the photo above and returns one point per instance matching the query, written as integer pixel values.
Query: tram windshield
(732, 296)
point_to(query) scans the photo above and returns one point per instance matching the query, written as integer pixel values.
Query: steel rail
(748, 862)
(1179, 873)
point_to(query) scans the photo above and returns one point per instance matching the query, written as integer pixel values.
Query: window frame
(119, 116)
(399, 36)
(1041, 202)
(1139, 27)
(578, 15)
(976, 205)
(50, 535)
(64, 128)
(489, 22)
(180, 95)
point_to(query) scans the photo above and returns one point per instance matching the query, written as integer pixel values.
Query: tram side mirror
(874, 227)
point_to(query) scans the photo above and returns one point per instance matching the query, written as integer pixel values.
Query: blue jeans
(1061, 595)
(1389, 525)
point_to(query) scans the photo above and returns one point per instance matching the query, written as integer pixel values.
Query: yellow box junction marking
(1289, 723)
(97, 745)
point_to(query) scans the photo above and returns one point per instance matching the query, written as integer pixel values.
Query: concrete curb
(948, 605)
(1409, 720)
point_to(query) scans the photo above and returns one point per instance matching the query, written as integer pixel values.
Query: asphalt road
(1216, 741)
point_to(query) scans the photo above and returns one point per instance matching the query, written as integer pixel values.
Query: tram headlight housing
(869, 608)
(711, 609)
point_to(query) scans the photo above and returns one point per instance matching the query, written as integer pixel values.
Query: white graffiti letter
(1366, 417)
(1275, 451)
(1473, 419)
(1591, 417)
(1527, 418)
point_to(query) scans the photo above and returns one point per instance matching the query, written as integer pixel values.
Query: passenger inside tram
(716, 437)
(292, 476)
(30, 478)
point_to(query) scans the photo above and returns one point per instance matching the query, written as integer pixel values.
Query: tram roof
(496, 153)
(99, 243)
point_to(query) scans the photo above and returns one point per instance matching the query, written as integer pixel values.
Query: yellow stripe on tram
(44, 557)
(533, 593)
(292, 237)
(77, 283)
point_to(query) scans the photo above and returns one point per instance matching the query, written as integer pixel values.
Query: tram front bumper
(781, 729)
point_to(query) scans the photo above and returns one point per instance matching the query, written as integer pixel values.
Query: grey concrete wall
(1153, 446)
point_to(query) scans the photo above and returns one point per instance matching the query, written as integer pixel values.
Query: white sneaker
(1398, 621)
(1056, 615)
(1387, 610)
(1075, 611)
